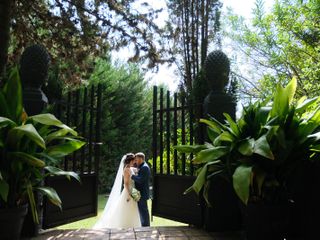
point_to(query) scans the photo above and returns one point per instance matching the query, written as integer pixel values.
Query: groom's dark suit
(142, 184)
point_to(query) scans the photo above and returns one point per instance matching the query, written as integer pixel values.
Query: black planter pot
(304, 185)
(29, 227)
(11, 221)
(262, 222)
(225, 214)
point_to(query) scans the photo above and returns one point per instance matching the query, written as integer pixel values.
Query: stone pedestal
(34, 100)
(225, 214)
(34, 65)
(217, 103)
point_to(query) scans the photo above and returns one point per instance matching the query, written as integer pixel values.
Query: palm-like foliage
(30, 147)
(262, 150)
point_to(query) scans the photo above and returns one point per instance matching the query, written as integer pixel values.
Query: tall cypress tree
(127, 116)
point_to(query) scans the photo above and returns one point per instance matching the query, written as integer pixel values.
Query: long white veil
(113, 198)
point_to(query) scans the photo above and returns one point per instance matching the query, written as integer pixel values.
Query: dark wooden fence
(80, 109)
(174, 123)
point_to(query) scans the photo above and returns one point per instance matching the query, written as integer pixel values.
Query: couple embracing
(127, 203)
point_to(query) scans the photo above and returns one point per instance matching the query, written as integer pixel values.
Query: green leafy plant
(30, 148)
(263, 150)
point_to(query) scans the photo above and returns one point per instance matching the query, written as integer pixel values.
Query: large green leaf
(4, 109)
(212, 134)
(214, 124)
(190, 148)
(13, 94)
(15, 134)
(32, 203)
(4, 122)
(51, 120)
(215, 173)
(272, 131)
(224, 137)
(4, 190)
(27, 158)
(262, 114)
(201, 178)
(233, 125)
(246, 147)
(305, 104)
(64, 149)
(309, 125)
(206, 188)
(241, 182)
(290, 89)
(301, 100)
(49, 160)
(56, 134)
(46, 119)
(58, 172)
(51, 194)
(280, 103)
(259, 176)
(262, 148)
(211, 154)
(282, 99)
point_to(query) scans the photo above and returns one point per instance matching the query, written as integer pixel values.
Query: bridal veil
(113, 197)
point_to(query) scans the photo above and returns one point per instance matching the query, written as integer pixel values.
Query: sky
(167, 74)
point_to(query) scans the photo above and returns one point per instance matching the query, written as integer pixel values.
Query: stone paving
(144, 233)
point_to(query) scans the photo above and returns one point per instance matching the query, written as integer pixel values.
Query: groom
(142, 184)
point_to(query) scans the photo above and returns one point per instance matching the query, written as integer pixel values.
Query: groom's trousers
(144, 213)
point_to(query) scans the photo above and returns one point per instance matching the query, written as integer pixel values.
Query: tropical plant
(264, 149)
(30, 148)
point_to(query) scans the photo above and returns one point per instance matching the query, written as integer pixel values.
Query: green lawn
(89, 222)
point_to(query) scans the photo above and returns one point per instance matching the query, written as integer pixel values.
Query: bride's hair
(129, 158)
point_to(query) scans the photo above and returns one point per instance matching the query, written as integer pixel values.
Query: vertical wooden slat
(175, 137)
(98, 130)
(154, 130)
(161, 131)
(66, 159)
(83, 129)
(97, 146)
(183, 134)
(60, 114)
(154, 146)
(91, 129)
(75, 122)
(168, 132)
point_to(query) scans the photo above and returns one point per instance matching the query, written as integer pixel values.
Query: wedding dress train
(125, 214)
(118, 212)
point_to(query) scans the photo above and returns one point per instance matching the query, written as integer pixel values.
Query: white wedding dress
(118, 212)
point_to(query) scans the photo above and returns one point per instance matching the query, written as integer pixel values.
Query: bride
(121, 211)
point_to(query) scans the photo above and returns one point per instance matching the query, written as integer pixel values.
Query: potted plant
(30, 149)
(267, 154)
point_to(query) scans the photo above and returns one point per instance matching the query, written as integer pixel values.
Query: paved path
(145, 233)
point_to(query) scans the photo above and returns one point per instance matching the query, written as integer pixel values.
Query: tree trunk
(202, 44)
(5, 12)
